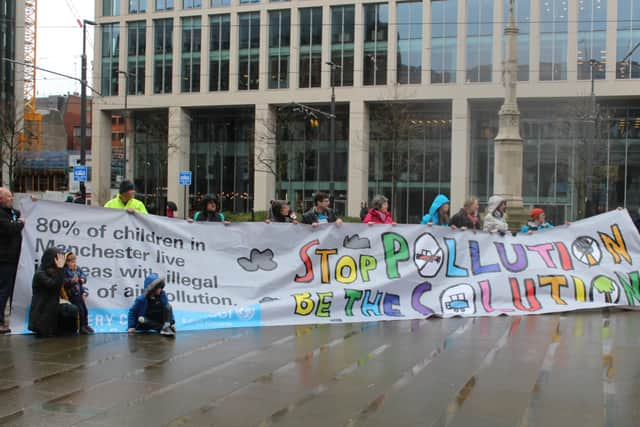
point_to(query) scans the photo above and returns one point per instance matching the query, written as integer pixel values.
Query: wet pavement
(578, 369)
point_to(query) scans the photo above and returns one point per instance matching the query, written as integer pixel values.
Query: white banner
(253, 274)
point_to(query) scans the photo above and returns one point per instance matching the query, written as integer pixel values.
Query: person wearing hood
(11, 225)
(126, 199)
(467, 217)
(280, 211)
(49, 315)
(210, 211)
(170, 209)
(496, 218)
(379, 213)
(538, 222)
(151, 311)
(439, 212)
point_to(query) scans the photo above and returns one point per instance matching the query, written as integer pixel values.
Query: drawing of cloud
(356, 242)
(258, 260)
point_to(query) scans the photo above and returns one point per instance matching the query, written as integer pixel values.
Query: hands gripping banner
(254, 274)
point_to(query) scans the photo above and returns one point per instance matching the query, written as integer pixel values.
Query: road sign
(185, 178)
(80, 173)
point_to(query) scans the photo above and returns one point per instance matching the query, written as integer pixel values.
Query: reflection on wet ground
(579, 369)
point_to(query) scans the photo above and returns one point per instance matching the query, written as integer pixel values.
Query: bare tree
(14, 139)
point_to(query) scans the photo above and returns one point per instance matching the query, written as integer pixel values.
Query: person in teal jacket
(439, 212)
(538, 222)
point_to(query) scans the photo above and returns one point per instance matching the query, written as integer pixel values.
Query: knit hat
(535, 213)
(126, 186)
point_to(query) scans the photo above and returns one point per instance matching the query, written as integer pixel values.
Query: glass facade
(522, 14)
(249, 52)
(162, 55)
(191, 4)
(110, 64)
(137, 6)
(310, 47)
(220, 28)
(479, 40)
(409, 43)
(7, 50)
(221, 161)
(553, 39)
(220, 3)
(164, 4)
(342, 39)
(279, 48)
(150, 159)
(136, 50)
(304, 156)
(409, 156)
(110, 7)
(190, 76)
(444, 33)
(376, 39)
(592, 39)
(627, 38)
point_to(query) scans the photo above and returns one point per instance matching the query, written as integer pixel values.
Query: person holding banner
(126, 199)
(467, 217)
(151, 311)
(49, 313)
(281, 212)
(438, 213)
(210, 211)
(496, 219)
(538, 222)
(321, 213)
(11, 225)
(379, 214)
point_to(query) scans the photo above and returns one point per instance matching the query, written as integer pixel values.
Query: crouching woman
(47, 315)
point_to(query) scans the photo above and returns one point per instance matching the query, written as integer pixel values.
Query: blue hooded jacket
(141, 303)
(433, 217)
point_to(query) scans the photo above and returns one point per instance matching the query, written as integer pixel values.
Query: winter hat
(535, 213)
(126, 186)
(152, 282)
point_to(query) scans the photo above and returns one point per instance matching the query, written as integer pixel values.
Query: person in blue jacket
(151, 311)
(538, 222)
(439, 212)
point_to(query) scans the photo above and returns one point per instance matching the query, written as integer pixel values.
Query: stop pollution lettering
(477, 269)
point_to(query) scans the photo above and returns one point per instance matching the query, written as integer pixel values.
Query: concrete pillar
(392, 43)
(572, 38)
(148, 58)
(294, 50)
(426, 43)
(612, 32)
(534, 42)
(460, 151)
(176, 78)
(101, 156)
(358, 178)
(263, 74)
(461, 58)
(499, 22)
(178, 145)
(264, 181)
(205, 31)
(233, 53)
(326, 46)
(358, 46)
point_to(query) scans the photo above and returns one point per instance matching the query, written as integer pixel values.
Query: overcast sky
(59, 44)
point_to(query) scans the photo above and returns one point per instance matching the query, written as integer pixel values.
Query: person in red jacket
(379, 213)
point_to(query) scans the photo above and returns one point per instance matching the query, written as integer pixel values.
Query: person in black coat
(280, 211)
(320, 213)
(11, 225)
(467, 217)
(47, 315)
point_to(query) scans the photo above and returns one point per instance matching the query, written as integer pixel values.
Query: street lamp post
(332, 130)
(125, 117)
(83, 106)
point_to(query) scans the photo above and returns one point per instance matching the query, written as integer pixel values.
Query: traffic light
(314, 123)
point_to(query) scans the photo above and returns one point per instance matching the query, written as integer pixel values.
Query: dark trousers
(83, 313)
(7, 282)
(156, 323)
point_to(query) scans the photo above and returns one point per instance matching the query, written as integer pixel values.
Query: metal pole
(83, 106)
(332, 132)
(592, 142)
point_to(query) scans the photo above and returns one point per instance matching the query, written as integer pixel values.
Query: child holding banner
(438, 213)
(74, 281)
(151, 311)
(538, 222)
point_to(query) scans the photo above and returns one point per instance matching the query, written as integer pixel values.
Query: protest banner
(256, 274)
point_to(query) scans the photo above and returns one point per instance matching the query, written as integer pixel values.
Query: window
(110, 7)
(592, 39)
(162, 55)
(249, 51)
(376, 38)
(409, 42)
(628, 38)
(444, 33)
(220, 3)
(342, 48)
(137, 6)
(249, 1)
(109, 63)
(164, 4)
(279, 43)
(479, 40)
(553, 39)
(219, 52)
(135, 57)
(310, 47)
(192, 4)
(190, 75)
(522, 14)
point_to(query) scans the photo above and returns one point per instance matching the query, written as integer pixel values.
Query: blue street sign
(185, 178)
(80, 174)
